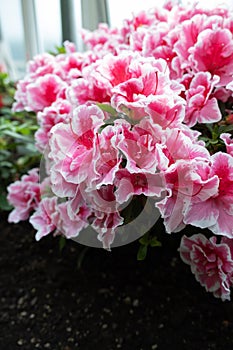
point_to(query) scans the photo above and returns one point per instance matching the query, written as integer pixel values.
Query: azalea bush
(138, 126)
(17, 149)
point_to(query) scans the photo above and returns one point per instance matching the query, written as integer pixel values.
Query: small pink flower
(177, 144)
(44, 91)
(102, 35)
(58, 112)
(165, 112)
(20, 96)
(227, 138)
(149, 80)
(69, 47)
(210, 262)
(87, 90)
(45, 218)
(71, 223)
(138, 144)
(72, 146)
(106, 157)
(129, 185)
(186, 182)
(106, 224)
(187, 35)
(41, 65)
(99, 78)
(24, 195)
(213, 52)
(216, 212)
(201, 106)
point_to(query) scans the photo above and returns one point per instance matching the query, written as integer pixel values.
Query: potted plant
(138, 126)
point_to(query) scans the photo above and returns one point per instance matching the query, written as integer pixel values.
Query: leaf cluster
(18, 153)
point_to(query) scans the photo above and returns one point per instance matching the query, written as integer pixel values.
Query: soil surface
(52, 299)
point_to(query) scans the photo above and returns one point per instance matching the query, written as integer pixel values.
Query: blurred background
(29, 27)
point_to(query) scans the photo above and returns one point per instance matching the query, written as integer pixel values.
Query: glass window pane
(49, 23)
(117, 15)
(12, 33)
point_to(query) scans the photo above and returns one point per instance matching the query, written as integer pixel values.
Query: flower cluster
(145, 112)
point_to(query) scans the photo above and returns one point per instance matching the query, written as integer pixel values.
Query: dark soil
(112, 301)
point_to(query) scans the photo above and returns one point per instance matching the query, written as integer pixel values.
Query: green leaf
(144, 240)
(62, 243)
(107, 108)
(155, 243)
(81, 257)
(4, 205)
(17, 136)
(225, 128)
(5, 110)
(142, 252)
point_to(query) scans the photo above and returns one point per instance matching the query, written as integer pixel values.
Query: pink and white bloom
(164, 111)
(210, 262)
(213, 52)
(106, 224)
(72, 222)
(138, 145)
(44, 91)
(129, 185)
(201, 106)
(185, 182)
(227, 138)
(216, 212)
(45, 218)
(24, 195)
(72, 146)
(58, 112)
(150, 78)
(177, 144)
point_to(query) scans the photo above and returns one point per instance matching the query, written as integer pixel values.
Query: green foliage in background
(17, 150)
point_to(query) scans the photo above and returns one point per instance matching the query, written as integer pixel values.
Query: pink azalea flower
(223, 94)
(69, 66)
(44, 91)
(69, 47)
(102, 199)
(213, 52)
(164, 111)
(186, 182)
(58, 112)
(72, 147)
(227, 138)
(201, 106)
(99, 78)
(20, 96)
(187, 36)
(102, 211)
(86, 90)
(133, 95)
(106, 157)
(106, 224)
(99, 37)
(176, 144)
(129, 185)
(216, 212)
(72, 223)
(139, 146)
(45, 218)
(24, 195)
(210, 262)
(41, 65)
